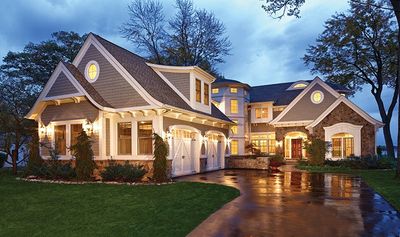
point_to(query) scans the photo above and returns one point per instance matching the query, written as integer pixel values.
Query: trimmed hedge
(123, 173)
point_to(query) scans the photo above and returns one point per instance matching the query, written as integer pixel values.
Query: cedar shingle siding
(181, 81)
(305, 109)
(61, 86)
(110, 84)
(69, 111)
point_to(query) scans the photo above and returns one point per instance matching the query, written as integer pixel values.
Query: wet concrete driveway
(297, 204)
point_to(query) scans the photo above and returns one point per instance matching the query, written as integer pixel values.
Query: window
(76, 129)
(60, 140)
(234, 107)
(234, 128)
(145, 142)
(234, 90)
(206, 94)
(300, 85)
(261, 113)
(92, 71)
(234, 147)
(125, 138)
(198, 90)
(342, 145)
(215, 90)
(317, 97)
(265, 142)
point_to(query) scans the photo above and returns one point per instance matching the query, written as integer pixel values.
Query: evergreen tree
(160, 159)
(83, 153)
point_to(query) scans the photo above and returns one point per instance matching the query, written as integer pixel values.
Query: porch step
(291, 162)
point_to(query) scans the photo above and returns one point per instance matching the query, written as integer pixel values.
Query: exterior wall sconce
(168, 135)
(88, 127)
(279, 143)
(42, 130)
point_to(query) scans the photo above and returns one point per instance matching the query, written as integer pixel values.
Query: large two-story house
(120, 100)
(280, 118)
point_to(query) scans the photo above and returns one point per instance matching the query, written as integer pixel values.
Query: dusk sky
(264, 50)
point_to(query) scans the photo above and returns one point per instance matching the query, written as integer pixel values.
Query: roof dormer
(190, 82)
(298, 85)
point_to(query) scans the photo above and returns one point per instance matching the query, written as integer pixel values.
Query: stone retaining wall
(260, 163)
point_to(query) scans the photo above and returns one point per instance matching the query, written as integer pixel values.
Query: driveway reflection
(297, 204)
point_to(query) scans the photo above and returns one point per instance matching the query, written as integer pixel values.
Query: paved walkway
(297, 204)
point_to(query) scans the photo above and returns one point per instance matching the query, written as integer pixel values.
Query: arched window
(342, 145)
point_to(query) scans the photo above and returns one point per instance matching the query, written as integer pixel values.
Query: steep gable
(61, 86)
(305, 109)
(110, 84)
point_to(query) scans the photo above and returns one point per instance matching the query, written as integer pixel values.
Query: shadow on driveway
(297, 204)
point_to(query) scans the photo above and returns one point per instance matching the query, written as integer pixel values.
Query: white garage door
(182, 149)
(214, 148)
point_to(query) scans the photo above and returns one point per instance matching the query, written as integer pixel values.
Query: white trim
(293, 123)
(312, 97)
(87, 71)
(316, 80)
(65, 96)
(351, 105)
(354, 130)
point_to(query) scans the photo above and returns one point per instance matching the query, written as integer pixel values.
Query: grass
(382, 181)
(40, 209)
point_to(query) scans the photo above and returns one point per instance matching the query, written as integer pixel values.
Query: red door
(296, 148)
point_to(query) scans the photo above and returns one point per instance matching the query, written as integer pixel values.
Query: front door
(297, 148)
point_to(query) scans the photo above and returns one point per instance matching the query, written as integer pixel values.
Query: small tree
(316, 149)
(252, 148)
(83, 153)
(160, 159)
(34, 161)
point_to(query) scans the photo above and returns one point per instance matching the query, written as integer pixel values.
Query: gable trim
(91, 40)
(316, 80)
(352, 106)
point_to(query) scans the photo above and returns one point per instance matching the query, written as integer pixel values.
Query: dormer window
(298, 85)
(261, 113)
(198, 90)
(206, 94)
(215, 90)
(234, 90)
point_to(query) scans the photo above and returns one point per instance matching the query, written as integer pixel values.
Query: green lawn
(39, 209)
(382, 181)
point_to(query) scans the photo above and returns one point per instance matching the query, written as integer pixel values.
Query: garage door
(214, 148)
(182, 149)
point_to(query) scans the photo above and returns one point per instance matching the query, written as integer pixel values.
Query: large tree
(280, 8)
(190, 37)
(37, 61)
(359, 48)
(22, 77)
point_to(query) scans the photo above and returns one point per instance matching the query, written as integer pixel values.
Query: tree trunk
(388, 140)
(396, 8)
(386, 120)
(14, 161)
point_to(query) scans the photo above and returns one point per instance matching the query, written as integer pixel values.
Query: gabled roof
(279, 93)
(147, 78)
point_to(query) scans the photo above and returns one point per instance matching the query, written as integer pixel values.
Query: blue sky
(264, 50)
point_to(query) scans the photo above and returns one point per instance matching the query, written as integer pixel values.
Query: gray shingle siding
(110, 83)
(69, 111)
(180, 80)
(305, 109)
(62, 86)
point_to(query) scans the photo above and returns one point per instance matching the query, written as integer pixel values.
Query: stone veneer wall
(344, 114)
(147, 164)
(260, 163)
(280, 132)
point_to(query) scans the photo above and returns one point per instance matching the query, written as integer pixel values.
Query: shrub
(123, 173)
(253, 149)
(160, 159)
(276, 160)
(316, 150)
(83, 153)
(369, 162)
